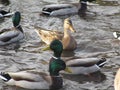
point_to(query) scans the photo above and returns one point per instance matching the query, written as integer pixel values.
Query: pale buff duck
(68, 41)
(117, 80)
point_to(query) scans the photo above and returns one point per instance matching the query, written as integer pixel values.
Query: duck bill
(22, 17)
(72, 29)
(67, 69)
(46, 48)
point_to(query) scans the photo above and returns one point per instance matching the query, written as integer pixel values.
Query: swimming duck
(116, 35)
(13, 34)
(66, 9)
(117, 80)
(81, 66)
(85, 66)
(40, 80)
(68, 41)
(4, 13)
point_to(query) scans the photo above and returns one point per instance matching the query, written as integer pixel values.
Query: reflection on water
(108, 2)
(96, 77)
(68, 53)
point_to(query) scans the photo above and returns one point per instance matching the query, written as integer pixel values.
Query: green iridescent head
(16, 18)
(57, 47)
(56, 66)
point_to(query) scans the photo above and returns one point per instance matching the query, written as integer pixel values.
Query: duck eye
(68, 23)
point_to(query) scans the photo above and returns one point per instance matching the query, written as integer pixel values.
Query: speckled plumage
(68, 41)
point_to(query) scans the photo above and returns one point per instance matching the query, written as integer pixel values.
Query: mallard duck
(4, 13)
(85, 66)
(40, 80)
(117, 80)
(66, 9)
(116, 35)
(13, 34)
(68, 41)
(81, 66)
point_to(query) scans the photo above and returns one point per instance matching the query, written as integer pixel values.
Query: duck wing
(59, 9)
(8, 34)
(28, 76)
(86, 62)
(27, 79)
(53, 7)
(48, 36)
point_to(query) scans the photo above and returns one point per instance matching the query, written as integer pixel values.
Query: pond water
(94, 38)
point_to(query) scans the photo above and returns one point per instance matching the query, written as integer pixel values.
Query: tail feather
(115, 34)
(102, 62)
(5, 76)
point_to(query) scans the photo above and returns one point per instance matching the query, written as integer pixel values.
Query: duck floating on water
(4, 13)
(79, 66)
(68, 41)
(13, 34)
(40, 80)
(66, 9)
(85, 66)
(117, 80)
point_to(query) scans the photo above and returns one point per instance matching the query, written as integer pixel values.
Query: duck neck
(83, 4)
(57, 55)
(66, 33)
(53, 73)
(83, 7)
(19, 28)
(57, 82)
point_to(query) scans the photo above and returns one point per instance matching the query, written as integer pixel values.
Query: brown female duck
(68, 41)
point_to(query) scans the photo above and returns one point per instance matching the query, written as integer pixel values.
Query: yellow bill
(46, 48)
(67, 69)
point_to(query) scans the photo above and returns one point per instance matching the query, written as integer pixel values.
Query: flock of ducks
(57, 42)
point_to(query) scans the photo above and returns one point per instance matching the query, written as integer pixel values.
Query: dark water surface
(94, 38)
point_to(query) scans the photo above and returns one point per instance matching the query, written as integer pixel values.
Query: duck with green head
(40, 80)
(78, 66)
(13, 34)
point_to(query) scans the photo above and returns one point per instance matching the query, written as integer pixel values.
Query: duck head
(68, 25)
(56, 46)
(16, 19)
(57, 64)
